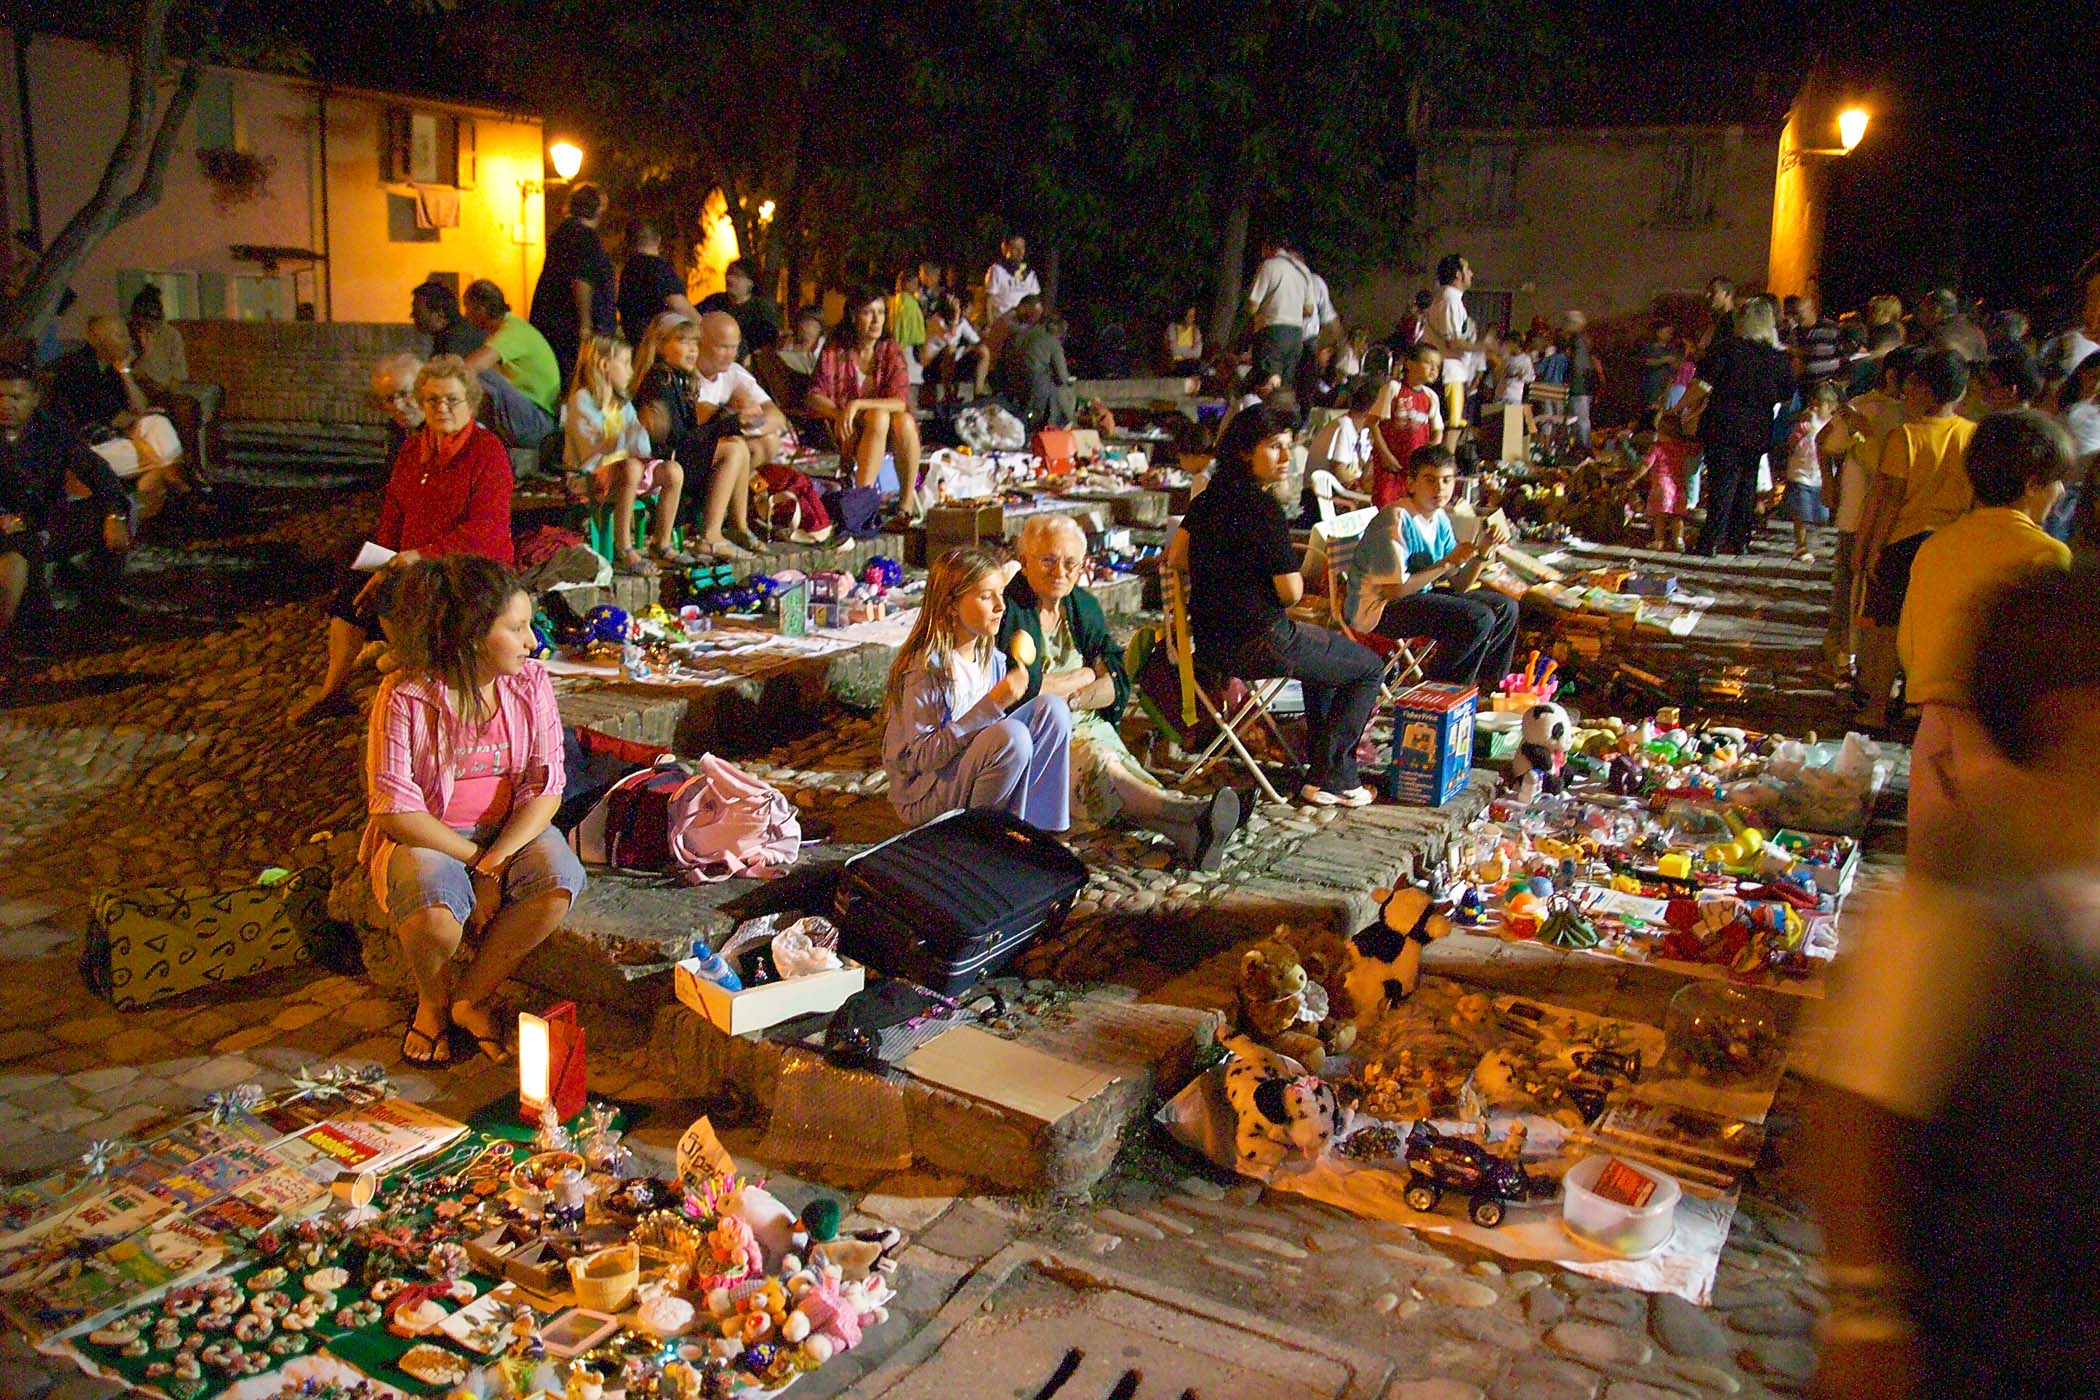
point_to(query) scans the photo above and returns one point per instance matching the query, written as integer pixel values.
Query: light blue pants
(1022, 765)
(507, 413)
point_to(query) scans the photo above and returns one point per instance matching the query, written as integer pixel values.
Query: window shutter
(214, 109)
(394, 156)
(211, 296)
(130, 282)
(469, 165)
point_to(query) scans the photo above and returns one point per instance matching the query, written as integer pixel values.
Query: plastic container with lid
(1627, 1231)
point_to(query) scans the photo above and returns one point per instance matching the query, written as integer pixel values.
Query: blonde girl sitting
(605, 446)
(966, 726)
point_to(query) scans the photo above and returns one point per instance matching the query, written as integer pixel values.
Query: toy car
(1439, 1162)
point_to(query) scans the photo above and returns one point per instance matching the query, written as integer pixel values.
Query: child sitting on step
(605, 445)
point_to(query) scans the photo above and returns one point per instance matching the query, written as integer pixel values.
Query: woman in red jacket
(449, 494)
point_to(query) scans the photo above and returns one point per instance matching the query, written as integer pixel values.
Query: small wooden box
(961, 526)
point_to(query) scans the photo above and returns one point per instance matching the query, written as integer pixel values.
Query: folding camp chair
(1405, 658)
(1210, 702)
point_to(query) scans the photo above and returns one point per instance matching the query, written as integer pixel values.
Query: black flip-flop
(428, 1057)
(490, 1045)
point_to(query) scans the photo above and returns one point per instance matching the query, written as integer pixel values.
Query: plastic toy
(1440, 1162)
(1547, 732)
(1388, 963)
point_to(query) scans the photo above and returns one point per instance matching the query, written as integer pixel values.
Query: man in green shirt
(516, 366)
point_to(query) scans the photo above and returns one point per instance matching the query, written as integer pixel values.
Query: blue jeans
(1021, 765)
(418, 878)
(507, 413)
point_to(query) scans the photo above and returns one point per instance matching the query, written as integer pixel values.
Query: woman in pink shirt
(860, 388)
(463, 772)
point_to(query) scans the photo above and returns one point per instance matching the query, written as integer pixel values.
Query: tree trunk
(1228, 272)
(131, 180)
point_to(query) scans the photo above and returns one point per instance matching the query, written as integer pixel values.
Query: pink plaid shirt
(405, 767)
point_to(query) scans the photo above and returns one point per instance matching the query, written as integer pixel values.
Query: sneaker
(1313, 795)
(1358, 796)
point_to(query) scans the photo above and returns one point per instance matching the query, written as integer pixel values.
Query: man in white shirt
(1009, 279)
(1450, 330)
(725, 385)
(1280, 303)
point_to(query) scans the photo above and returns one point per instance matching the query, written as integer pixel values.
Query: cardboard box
(960, 526)
(755, 1008)
(1432, 743)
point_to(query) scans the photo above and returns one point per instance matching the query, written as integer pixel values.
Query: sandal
(635, 564)
(425, 1049)
(744, 539)
(490, 1044)
(676, 558)
(726, 549)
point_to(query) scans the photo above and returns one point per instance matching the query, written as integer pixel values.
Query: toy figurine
(585, 1383)
(525, 1343)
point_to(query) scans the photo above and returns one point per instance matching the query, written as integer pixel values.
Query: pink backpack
(725, 823)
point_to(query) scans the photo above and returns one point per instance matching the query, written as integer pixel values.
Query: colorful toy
(1547, 732)
(1388, 963)
(1281, 1006)
(1439, 1162)
(1279, 1109)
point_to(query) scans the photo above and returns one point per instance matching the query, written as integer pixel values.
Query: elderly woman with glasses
(1069, 653)
(449, 493)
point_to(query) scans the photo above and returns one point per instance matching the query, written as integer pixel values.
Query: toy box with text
(1432, 743)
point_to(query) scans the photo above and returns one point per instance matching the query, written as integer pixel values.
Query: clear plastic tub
(1627, 1231)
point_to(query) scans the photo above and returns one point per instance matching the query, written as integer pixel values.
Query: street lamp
(1852, 127)
(567, 157)
(765, 212)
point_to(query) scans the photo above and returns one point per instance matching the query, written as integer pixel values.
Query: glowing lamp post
(1852, 127)
(550, 1063)
(567, 157)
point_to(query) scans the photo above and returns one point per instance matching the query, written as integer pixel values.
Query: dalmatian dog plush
(1279, 1109)
(1542, 752)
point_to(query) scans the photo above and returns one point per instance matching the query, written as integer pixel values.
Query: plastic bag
(814, 1122)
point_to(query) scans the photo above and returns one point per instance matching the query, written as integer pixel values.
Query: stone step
(633, 593)
(1147, 1048)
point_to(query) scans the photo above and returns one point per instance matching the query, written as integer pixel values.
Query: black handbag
(956, 899)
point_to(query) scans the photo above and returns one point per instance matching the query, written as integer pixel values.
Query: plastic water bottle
(715, 968)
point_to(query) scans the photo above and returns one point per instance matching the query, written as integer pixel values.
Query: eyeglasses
(1059, 564)
(445, 404)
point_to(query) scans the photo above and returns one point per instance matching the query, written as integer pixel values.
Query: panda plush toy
(1542, 754)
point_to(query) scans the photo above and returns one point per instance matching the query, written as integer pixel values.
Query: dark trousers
(1731, 499)
(1475, 633)
(1276, 350)
(1340, 680)
(343, 603)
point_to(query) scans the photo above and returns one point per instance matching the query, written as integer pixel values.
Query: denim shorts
(418, 878)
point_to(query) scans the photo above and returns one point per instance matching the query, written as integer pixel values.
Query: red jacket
(454, 505)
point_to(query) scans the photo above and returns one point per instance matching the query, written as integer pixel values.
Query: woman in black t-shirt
(1243, 573)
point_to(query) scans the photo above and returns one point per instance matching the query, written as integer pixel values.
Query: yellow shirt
(1930, 455)
(1989, 546)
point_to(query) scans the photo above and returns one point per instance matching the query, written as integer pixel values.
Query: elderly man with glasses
(448, 493)
(1071, 654)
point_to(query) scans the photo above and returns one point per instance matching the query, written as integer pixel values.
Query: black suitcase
(956, 899)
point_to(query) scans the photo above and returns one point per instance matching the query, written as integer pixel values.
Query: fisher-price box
(1432, 743)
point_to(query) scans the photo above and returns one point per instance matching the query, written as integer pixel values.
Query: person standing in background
(1448, 329)
(648, 282)
(1585, 377)
(756, 317)
(574, 296)
(1279, 303)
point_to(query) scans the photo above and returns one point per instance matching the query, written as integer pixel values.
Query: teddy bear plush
(1326, 957)
(1387, 963)
(1278, 1109)
(1542, 752)
(1280, 1004)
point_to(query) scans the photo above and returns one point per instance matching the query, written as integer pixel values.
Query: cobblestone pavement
(156, 758)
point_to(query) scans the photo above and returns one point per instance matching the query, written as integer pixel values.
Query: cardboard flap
(975, 1062)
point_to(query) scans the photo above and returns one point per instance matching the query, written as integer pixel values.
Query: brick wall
(295, 371)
